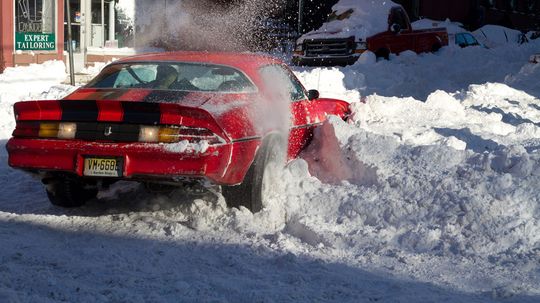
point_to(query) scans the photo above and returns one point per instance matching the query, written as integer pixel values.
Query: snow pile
(319, 79)
(367, 18)
(484, 118)
(450, 69)
(496, 35)
(37, 81)
(521, 80)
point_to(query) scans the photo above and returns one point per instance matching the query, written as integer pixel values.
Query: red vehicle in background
(356, 26)
(184, 117)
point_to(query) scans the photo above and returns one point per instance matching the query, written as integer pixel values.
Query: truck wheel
(435, 48)
(69, 192)
(252, 191)
(383, 53)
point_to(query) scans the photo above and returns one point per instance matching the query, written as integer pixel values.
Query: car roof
(237, 60)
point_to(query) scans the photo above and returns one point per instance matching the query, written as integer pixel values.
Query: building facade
(34, 31)
(523, 15)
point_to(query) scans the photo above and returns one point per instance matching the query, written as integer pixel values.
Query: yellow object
(48, 130)
(168, 134)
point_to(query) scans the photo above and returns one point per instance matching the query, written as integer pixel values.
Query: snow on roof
(451, 27)
(494, 35)
(368, 17)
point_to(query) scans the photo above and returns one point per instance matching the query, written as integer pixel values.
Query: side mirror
(313, 94)
(395, 28)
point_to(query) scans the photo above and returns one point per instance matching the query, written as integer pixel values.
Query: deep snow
(429, 194)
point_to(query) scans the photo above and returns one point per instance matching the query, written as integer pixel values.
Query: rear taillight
(146, 134)
(48, 130)
(168, 134)
(26, 129)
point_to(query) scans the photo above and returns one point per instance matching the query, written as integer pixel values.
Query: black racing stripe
(166, 96)
(141, 112)
(79, 111)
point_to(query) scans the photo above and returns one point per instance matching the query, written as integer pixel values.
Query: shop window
(35, 25)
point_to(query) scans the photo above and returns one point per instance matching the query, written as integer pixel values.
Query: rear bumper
(140, 160)
(324, 61)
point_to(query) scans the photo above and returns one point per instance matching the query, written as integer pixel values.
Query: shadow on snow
(49, 264)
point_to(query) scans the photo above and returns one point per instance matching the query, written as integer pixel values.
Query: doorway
(92, 25)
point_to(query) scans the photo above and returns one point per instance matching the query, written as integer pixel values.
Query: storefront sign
(34, 41)
(34, 25)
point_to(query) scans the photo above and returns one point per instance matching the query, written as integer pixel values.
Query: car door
(305, 114)
(284, 90)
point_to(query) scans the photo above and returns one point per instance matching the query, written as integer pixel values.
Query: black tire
(435, 48)
(250, 192)
(69, 192)
(383, 53)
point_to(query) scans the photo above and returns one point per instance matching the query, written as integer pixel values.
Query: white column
(112, 19)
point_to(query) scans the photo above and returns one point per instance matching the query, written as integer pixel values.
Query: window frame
(290, 76)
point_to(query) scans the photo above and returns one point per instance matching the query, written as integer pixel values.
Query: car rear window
(173, 76)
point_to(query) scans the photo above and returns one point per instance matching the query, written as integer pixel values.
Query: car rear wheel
(69, 192)
(257, 183)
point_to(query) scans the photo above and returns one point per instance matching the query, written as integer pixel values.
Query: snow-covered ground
(429, 194)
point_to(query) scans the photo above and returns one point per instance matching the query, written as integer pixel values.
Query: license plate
(102, 167)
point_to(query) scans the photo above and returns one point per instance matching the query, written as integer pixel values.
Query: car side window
(398, 16)
(281, 82)
(471, 40)
(460, 40)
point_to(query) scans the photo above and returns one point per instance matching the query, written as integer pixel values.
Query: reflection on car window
(173, 76)
(281, 83)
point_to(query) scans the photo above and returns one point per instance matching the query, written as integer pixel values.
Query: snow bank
(450, 70)
(329, 83)
(484, 118)
(37, 81)
(496, 35)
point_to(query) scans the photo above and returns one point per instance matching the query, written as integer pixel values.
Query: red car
(182, 117)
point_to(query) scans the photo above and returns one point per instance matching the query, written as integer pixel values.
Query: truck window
(399, 17)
